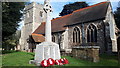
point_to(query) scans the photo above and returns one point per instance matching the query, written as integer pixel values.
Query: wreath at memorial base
(51, 62)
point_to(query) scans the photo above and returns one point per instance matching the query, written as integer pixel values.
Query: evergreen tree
(11, 16)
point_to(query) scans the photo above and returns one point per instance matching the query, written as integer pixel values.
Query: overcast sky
(57, 5)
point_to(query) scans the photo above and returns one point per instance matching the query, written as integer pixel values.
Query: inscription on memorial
(47, 52)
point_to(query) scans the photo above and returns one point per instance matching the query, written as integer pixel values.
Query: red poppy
(62, 61)
(66, 61)
(57, 62)
(51, 61)
(44, 63)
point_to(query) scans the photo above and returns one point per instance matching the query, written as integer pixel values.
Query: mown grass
(17, 59)
(105, 60)
(22, 59)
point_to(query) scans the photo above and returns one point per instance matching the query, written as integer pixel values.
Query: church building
(90, 26)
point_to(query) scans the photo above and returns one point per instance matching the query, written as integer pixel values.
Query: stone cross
(47, 49)
(48, 10)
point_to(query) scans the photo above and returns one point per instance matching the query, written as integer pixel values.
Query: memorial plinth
(46, 50)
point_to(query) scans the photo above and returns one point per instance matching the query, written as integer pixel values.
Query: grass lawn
(22, 59)
(104, 61)
(17, 59)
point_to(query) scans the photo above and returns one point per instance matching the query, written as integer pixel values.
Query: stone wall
(83, 32)
(32, 19)
(61, 38)
(58, 39)
(90, 53)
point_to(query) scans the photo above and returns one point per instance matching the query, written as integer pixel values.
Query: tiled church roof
(91, 13)
(84, 15)
(38, 37)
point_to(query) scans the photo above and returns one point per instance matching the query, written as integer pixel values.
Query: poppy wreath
(65, 61)
(44, 63)
(62, 61)
(57, 62)
(51, 61)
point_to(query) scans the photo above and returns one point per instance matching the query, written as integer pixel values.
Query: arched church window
(91, 33)
(41, 14)
(76, 35)
(53, 38)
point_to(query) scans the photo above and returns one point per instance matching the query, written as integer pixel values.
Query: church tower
(34, 15)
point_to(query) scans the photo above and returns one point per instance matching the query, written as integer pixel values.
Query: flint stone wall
(90, 53)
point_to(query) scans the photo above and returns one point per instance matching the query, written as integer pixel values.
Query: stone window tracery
(76, 35)
(91, 33)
